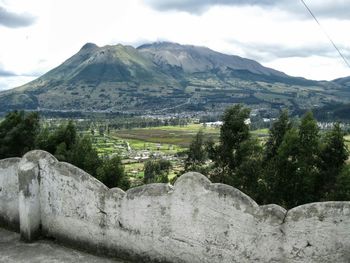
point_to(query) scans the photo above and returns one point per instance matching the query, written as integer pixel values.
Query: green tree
(66, 145)
(233, 133)
(276, 135)
(237, 157)
(227, 154)
(112, 174)
(342, 185)
(291, 175)
(157, 171)
(66, 134)
(43, 140)
(283, 181)
(271, 183)
(308, 158)
(17, 133)
(58, 142)
(333, 155)
(249, 173)
(62, 154)
(83, 155)
(196, 154)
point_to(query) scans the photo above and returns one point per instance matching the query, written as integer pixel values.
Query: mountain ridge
(216, 59)
(160, 75)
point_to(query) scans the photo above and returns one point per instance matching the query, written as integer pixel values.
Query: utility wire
(325, 32)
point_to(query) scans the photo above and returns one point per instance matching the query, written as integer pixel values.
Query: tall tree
(17, 133)
(66, 134)
(66, 145)
(157, 171)
(271, 182)
(196, 154)
(308, 158)
(333, 155)
(284, 182)
(59, 141)
(233, 133)
(237, 158)
(341, 190)
(249, 173)
(292, 174)
(276, 135)
(292, 162)
(83, 155)
(112, 174)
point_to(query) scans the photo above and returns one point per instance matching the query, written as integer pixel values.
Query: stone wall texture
(9, 214)
(193, 221)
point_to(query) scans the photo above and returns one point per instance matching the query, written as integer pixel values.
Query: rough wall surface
(193, 221)
(9, 214)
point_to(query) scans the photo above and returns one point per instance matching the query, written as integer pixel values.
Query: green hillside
(166, 77)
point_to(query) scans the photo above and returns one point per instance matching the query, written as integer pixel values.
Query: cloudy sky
(38, 35)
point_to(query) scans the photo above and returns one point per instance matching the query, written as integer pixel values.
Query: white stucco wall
(9, 215)
(192, 221)
(318, 232)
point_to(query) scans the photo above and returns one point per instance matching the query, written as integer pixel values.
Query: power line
(325, 32)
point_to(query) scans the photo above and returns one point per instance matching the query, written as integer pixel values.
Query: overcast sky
(38, 35)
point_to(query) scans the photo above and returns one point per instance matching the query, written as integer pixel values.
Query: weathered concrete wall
(29, 178)
(193, 221)
(9, 214)
(318, 232)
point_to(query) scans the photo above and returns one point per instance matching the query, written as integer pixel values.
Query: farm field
(135, 146)
(165, 140)
(168, 135)
(134, 152)
(179, 137)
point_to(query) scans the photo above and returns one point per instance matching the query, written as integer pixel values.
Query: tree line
(21, 132)
(296, 165)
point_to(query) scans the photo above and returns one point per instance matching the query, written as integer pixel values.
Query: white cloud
(14, 20)
(315, 67)
(325, 8)
(15, 81)
(267, 34)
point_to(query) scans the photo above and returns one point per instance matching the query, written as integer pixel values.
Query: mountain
(163, 77)
(343, 81)
(192, 59)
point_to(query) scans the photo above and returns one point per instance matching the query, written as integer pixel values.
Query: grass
(167, 135)
(177, 137)
(347, 140)
(111, 144)
(138, 145)
(135, 169)
(168, 140)
(261, 132)
(107, 145)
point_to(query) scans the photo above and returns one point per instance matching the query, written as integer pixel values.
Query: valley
(137, 145)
